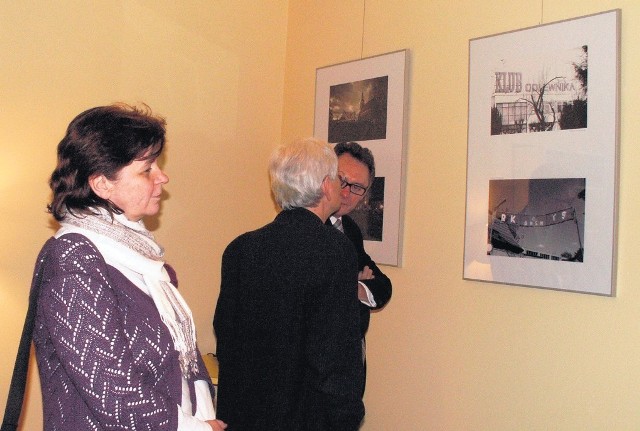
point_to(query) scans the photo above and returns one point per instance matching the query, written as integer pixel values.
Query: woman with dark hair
(115, 341)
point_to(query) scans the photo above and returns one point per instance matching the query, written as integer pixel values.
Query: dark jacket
(287, 329)
(380, 285)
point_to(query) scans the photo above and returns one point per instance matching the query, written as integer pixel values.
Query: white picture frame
(364, 101)
(542, 156)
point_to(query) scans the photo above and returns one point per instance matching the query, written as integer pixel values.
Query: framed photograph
(542, 156)
(364, 101)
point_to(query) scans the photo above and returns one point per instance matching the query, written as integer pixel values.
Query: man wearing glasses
(356, 169)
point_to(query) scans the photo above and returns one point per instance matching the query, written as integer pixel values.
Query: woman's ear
(101, 186)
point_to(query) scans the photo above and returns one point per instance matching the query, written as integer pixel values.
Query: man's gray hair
(297, 171)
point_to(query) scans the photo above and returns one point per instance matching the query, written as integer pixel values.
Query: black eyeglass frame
(356, 189)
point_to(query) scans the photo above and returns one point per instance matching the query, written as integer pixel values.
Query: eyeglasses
(356, 189)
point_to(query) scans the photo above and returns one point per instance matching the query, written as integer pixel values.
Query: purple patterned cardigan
(105, 358)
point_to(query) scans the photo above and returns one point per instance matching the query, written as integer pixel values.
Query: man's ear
(101, 186)
(326, 187)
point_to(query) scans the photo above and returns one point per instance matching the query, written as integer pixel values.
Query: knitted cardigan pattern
(105, 358)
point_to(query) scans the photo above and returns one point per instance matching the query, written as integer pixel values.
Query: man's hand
(217, 425)
(365, 274)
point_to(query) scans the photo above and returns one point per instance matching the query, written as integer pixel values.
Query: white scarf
(131, 248)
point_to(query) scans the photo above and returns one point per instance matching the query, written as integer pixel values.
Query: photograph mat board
(389, 153)
(590, 153)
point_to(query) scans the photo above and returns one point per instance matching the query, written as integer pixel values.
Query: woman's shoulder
(71, 249)
(69, 243)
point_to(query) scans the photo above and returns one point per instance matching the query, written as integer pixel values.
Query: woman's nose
(162, 178)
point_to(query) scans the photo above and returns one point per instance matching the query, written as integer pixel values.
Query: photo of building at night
(358, 110)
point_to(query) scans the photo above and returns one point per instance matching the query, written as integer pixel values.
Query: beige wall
(446, 354)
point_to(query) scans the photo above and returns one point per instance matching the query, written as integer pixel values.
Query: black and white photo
(542, 156)
(364, 101)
